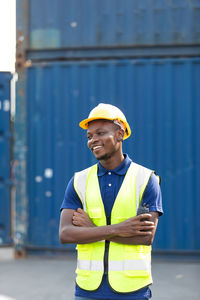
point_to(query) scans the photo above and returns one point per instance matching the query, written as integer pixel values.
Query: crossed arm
(77, 228)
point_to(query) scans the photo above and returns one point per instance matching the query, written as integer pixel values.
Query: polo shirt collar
(121, 170)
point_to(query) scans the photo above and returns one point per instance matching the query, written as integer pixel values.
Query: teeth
(97, 147)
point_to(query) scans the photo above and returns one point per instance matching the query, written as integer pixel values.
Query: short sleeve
(152, 196)
(71, 199)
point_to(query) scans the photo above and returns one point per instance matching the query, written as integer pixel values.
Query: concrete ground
(42, 278)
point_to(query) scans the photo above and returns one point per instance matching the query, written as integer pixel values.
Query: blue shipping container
(160, 98)
(5, 78)
(57, 24)
(5, 212)
(5, 156)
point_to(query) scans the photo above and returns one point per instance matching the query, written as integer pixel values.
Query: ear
(120, 135)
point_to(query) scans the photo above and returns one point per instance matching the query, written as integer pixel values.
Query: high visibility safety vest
(129, 266)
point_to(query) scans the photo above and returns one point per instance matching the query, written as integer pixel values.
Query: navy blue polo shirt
(110, 182)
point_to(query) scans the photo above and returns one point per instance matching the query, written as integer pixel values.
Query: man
(99, 213)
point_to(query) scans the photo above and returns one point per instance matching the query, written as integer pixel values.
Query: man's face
(103, 139)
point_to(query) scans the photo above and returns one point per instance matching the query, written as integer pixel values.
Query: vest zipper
(107, 243)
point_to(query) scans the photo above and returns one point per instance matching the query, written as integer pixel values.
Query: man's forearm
(70, 233)
(135, 240)
(84, 235)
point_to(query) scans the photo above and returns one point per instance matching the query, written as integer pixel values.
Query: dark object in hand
(142, 209)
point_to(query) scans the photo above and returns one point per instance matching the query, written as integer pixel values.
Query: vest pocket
(95, 213)
(136, 261)
(84, 259)
(137, 268)
(84, 251)
(137, 250)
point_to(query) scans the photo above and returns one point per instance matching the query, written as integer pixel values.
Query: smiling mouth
(97, 148)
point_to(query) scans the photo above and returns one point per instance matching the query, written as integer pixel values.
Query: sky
(7, 35)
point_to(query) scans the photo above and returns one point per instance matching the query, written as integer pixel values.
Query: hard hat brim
(84, 125)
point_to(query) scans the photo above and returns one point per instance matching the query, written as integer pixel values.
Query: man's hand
(81, 219)
(135, 226)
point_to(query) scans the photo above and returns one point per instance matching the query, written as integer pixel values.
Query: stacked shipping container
(138, 55)
(5, 158)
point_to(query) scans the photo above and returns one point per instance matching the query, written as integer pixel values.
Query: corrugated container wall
(5, 157)
(160, 100)
(76, 28)
(142, 56)
(78, 23)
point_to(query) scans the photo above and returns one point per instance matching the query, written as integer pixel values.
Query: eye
(89, 137)
(101, 132)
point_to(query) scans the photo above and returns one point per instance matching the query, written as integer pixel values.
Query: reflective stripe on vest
(92, 265)
(139, 265)
(129, 267)
(80, 184)
(115, 265)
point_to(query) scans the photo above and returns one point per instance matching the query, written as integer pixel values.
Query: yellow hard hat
(107, 112)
